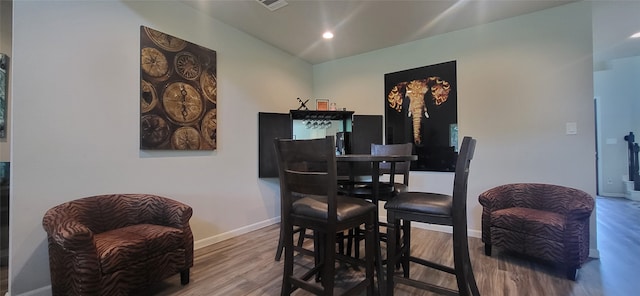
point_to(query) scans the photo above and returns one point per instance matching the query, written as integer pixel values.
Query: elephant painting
(417, 91)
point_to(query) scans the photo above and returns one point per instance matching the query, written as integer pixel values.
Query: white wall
(519, 82)
(76, 117)
(616, 90)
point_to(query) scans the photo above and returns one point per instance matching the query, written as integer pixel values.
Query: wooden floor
(245, 265)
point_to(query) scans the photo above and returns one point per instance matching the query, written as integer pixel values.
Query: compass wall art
(178, 93)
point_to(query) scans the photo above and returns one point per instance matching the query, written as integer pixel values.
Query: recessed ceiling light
(327, 35)
(636, 35)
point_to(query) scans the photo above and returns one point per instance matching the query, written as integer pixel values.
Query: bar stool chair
(307, 169)
(387, 190)
(433, 208)
(401, 168)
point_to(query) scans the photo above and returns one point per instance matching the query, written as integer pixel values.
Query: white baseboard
(611, 194)
(236, 232)
(447, 229)
(594, 253)
(233, 233)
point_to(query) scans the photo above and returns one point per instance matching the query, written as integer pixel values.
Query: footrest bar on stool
(433, 265)
(424, 286)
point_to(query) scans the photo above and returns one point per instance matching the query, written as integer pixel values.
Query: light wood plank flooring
(245, 265)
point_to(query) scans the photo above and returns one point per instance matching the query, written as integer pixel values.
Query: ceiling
(365, 25)
(613, 23)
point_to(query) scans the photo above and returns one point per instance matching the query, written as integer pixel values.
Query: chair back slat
(307, 167)
(401, 168)
(313, 183)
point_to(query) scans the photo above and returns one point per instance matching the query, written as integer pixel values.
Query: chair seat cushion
(433, 204)
(316, 207)
(543, 224)
(123, 247)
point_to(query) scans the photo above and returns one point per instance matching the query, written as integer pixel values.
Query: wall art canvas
(178, 93)
(421, 107)
(4, 67)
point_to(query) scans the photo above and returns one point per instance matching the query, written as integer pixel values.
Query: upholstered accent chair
(549, 222)
(117, 244)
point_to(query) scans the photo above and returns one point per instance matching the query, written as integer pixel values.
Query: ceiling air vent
(273, 4)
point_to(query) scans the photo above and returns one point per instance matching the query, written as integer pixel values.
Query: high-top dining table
(374, 161)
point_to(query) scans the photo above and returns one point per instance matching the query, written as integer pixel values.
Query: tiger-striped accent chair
(117, 244)
(545, 221)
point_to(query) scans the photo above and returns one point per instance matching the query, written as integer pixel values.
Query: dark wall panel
(367, 129)
(271, 126)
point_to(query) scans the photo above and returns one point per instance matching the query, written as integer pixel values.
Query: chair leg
(302, 234)
(392, 256)
(288, 260)
(467, 274)
(340, 243)
(329, 268)
(280, 244)
(318, 252)
(462, 264)
(487, 249)
(350, 239)
(184, 277)
(473, 286)
(378, 254)
(369, 260)
(572, 273)
(405, 247)
(398, 240)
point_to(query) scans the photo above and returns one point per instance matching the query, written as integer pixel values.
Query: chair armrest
(176, 213)
(581, 207)
(497, 198)
(70, 235)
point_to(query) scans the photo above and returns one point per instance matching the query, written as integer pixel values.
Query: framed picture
(178, 93)
(421, 108)
(322, 104)
(4, 61)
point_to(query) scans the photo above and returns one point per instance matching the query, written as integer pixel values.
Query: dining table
(375, 185)
(374, 173)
